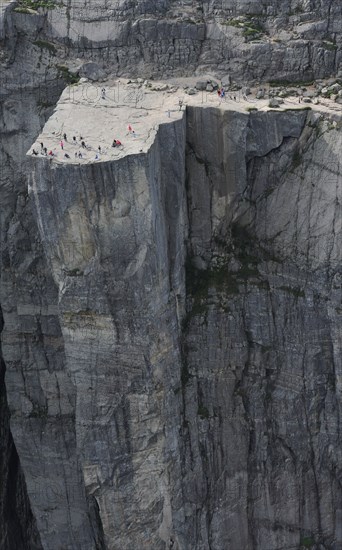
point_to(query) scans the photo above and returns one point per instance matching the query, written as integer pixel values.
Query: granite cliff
(170, 315)
(291, 40)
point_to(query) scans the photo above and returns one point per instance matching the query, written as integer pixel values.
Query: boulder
(226, 81)
(274, 102)
(335, 88)
(201, 85)
(92, 71)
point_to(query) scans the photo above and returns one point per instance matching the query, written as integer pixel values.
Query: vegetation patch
(45, 104)
(307, 542)
(203, 412)
(331, 46)
(185, 374)
(25, 5)
(46, 45)
(252, 32)
(234, 23)
(219, 283)
(251, 28)
(307, 108)
(298, 84)
(39, 411)
(66, 75)
(296, 159)
(199, 281)
(73, 272)
(244, 247)
(294, 290)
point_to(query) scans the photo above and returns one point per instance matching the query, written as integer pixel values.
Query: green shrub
(329, 46)
(203, 412)
(63, 72)
(34, 5)
(307, 542)
(234, 23)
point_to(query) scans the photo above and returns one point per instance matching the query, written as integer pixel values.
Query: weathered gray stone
(171, 330)
(145, 391)
(201, 85)
(92, 71)
(274, 102)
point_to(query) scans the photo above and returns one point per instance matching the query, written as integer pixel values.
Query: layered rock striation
(171, 311)
(189, 389)
(259, 40)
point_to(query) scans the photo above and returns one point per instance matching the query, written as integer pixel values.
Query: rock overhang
(131, 112)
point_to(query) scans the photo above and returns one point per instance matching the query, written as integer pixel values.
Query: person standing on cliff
(65, 137)
(62, 144)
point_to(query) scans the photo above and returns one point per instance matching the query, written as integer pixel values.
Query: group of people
(221, 92)
(43, 151)
(78, 154)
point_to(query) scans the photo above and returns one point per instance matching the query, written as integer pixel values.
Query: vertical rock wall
(114, 238)
(23, 281)
(261, 360)
(198, 300)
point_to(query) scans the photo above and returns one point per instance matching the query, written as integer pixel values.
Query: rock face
(260, 40)
(18, 527)
(170, 322)
(189, 389)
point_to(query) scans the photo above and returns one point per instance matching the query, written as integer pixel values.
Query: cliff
(294, 40)
(170, 310)
(186, 390)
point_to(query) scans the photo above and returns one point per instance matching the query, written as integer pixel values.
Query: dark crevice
(18, 529)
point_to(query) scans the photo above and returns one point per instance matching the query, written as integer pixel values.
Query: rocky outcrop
(195, 398)
(250, 41)
(24, 282)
